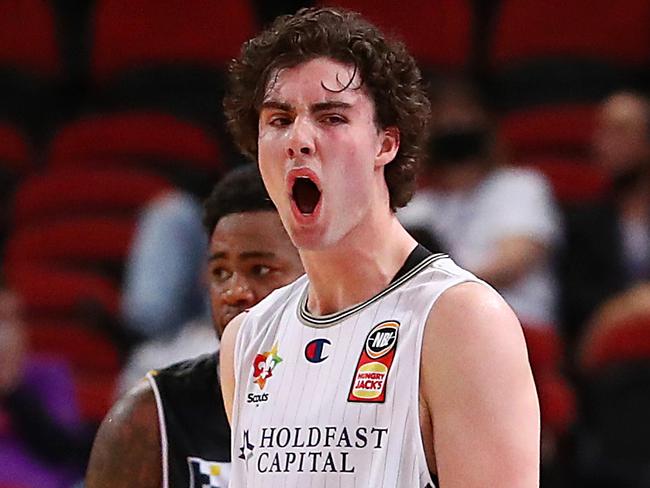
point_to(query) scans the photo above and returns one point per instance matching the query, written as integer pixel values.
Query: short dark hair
(241, 190)
(387, 70)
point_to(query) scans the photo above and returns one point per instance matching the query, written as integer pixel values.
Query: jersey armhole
(237, 353)
(432, 481)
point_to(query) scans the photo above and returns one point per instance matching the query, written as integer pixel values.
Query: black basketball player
(171, 430)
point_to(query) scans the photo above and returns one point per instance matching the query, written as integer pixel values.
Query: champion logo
(315, 350)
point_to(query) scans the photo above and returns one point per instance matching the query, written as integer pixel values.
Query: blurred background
(537, 179)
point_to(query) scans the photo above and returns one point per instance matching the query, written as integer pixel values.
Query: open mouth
(306, 195)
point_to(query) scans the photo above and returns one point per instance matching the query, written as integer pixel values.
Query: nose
(301, 139)
(238, 292)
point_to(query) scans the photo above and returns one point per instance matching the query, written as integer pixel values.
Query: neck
(358, 267)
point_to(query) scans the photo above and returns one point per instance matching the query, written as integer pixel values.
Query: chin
(306, 238)
(313, 239)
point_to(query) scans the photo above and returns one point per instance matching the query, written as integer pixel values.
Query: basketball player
(385, 364)
(171, 430)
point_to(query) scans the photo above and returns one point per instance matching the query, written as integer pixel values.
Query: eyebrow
(243, 255)
(322, 106)
(270, 104)
(315, 108)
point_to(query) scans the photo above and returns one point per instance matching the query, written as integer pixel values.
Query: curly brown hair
(389, 73)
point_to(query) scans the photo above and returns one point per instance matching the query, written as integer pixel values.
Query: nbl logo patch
(369, 381)
(208, 474)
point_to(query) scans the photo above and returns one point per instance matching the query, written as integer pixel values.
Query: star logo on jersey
(246, 449)
(264, 364)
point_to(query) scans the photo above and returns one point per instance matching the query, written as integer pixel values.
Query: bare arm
(227, 363)
(479, 391)
(127, 450)
(513, 257)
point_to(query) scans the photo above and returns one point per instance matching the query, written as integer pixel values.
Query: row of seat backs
(554, 139)
(180, 150)
(71, 234)
(124, 34)
(72, 219)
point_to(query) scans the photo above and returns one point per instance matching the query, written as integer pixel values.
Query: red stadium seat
(544, 347)
(559, 51)
(31, 64)
(96, 393)
(67, 192)
(614, 360)
(438, 33)
(573, 180)
(618, 32)
(58, 292)
(143, 138)
(557, 398)
(28, 37)
(100, 243)
(86, 349)
(128, 34)
(16, 161)
(16, 155)
(549, 130)
(615, 343)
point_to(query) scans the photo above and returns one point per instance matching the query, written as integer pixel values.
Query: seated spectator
(499, 222)
(162, 283)
(613, 372)
(608, 241)
(41, 440)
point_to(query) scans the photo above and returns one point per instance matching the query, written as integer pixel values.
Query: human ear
(389, 145)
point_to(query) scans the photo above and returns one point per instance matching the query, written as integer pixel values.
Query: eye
(221, 274)
(261, 270)
(334, 119)
(279, 120)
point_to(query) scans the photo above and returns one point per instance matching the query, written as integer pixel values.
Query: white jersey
(332, 401)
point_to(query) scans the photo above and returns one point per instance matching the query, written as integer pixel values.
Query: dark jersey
(194, 429)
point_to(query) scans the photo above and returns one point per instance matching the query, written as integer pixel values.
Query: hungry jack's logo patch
(371, 374)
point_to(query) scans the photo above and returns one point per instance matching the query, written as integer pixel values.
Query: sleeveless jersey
(333, 401)
(194, 430)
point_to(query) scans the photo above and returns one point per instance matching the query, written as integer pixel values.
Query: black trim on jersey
(195, 418)
(434, 478)
(417, 260)
(417, 255)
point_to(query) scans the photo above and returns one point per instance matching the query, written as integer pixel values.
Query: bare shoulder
(229, 336)
(472, 314)
(478, 389)
(472, 331)
(127, 450)
(227, 362)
